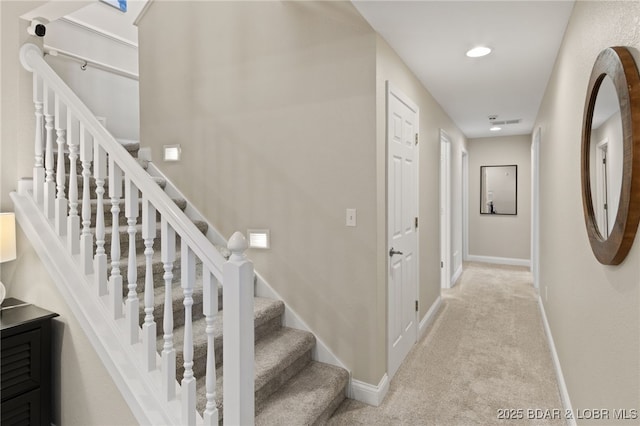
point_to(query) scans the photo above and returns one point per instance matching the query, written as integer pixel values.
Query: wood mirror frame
(619, 65)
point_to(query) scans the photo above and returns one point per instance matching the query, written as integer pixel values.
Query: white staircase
(121, 250)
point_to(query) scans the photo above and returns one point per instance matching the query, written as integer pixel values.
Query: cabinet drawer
(21, 366)
(22, 410)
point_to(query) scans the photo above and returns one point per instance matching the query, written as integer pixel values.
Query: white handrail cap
(237, 243)
(25, 50)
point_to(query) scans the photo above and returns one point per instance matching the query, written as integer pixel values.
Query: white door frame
(392, 363)
(465, 204)
(535, 207)
(602, 189)
(445, 210)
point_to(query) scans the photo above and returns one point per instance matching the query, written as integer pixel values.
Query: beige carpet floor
(485, 352)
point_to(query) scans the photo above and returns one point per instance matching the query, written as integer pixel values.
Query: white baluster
(115, 280)
(61, 201)
(238, 335)
(188, 382)
(132, 304)
(86, 238)
(49, 183)
(168, 254)
(73, 220)
(149, 326)
(38, 167)
(100, 260)
(210, 309)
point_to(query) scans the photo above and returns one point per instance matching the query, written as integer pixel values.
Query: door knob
(392, 252)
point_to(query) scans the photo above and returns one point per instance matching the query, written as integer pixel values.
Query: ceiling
(432, 38)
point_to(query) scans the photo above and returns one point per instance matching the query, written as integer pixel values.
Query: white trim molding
(70, 20)
(455, 276)
(138, 388)
(428, 318)
(369, 394)
(500, 260)
(562, 386)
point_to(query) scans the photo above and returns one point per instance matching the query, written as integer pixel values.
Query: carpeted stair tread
(157, 268)
(108, 217)
(276, 361)
(267, 318)
(177, 299)
(308, 398)
(162, 183)
(264, 310)
(124, 237)
(67, 163)
(278, 357)
(131, 145)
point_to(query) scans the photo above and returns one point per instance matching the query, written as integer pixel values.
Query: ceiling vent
(506, 122)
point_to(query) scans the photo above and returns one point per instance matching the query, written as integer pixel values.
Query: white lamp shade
(7, 237)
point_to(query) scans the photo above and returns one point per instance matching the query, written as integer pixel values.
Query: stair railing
(63, 121)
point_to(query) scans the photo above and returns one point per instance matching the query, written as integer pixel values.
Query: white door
(445, 210)
(402, 158)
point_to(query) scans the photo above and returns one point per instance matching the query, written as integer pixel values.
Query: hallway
(484, 357)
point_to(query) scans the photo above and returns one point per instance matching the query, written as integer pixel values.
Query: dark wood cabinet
(25, 372)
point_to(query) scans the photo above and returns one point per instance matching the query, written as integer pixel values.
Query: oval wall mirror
(610, 156)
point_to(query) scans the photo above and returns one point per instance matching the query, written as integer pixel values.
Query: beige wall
(277, 124)
(593, 310)
(83, 391)
(500, 235)
(282, 127)
(432, 118)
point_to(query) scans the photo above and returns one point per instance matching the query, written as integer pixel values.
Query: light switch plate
(351, 217)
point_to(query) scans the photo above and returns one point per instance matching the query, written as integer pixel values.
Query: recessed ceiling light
(478, 51)
(495, 128)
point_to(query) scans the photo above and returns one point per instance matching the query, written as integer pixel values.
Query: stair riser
(274, 384)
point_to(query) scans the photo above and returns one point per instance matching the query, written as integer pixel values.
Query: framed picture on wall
(118, 4)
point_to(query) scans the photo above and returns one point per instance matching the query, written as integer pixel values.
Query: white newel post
(149, 326)
(210, 309)
(73, 220)
(188, 383)
(86, 238)
(238, 335)
(38, 167)
(61, 133)
(132, 304)
(168, 256)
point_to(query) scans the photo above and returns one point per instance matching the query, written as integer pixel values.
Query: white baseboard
(499, 260)
(455, 276)
(562, 386)
(369, 394)
(429, 317)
